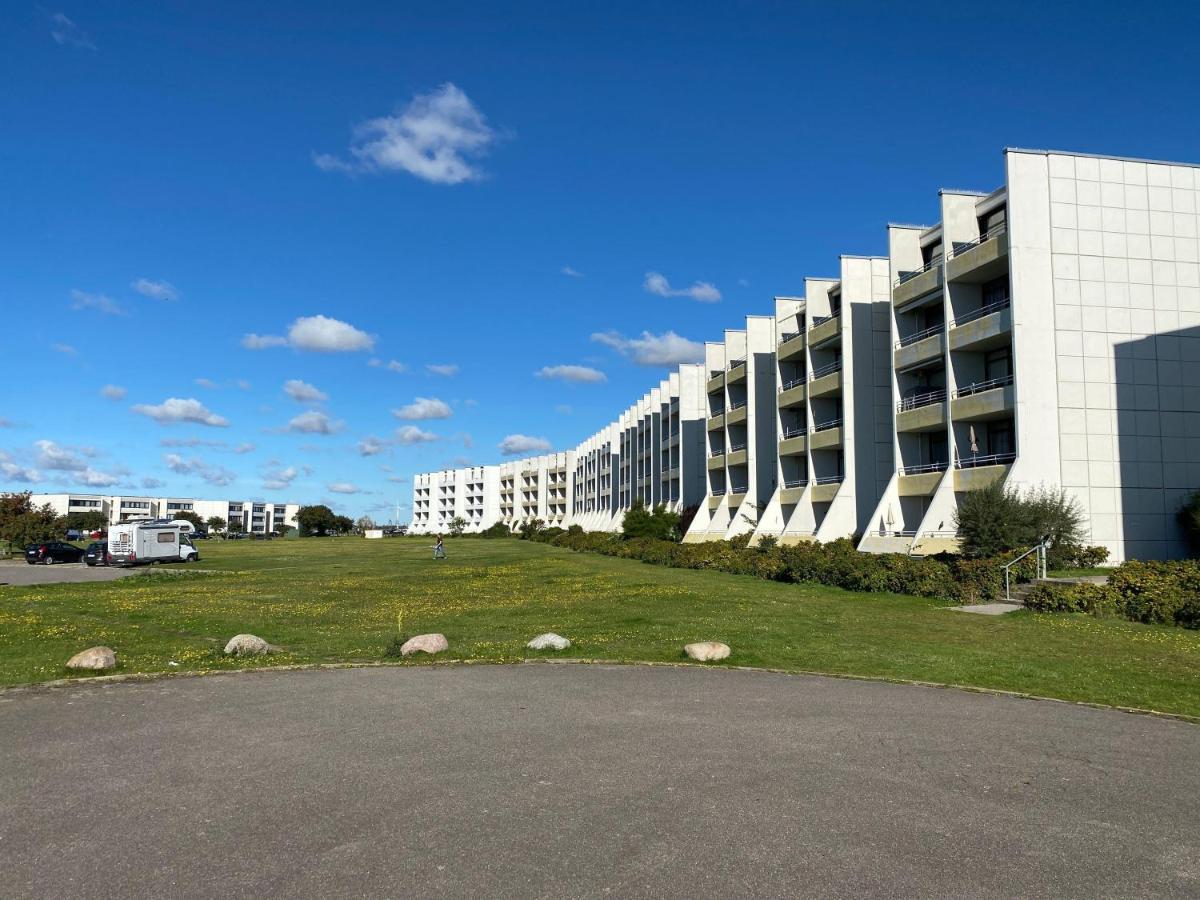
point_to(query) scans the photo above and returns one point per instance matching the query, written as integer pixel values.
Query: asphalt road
(19, 572)
(585, 781)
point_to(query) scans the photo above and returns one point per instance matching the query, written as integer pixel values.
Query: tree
(23, 523)
(641, 522)
(364, 524)
(342, 525)
(998, 519)
(92, 520)
(530, 528)
(315, 520)
(187, 515)
(215, 524)
(281, 527)
(457, 526)
(234, 527)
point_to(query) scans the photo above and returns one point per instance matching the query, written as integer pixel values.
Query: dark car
(49, 552)
(97, 554)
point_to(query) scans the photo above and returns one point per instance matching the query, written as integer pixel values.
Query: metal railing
(719, 411)
(990, 459)
(795, 483)
(829, 479)
(794, 432)
(958, 247)
(825, 370)
(788, 385)
(924, 468)
(718, 492)
(713, 373)
(826, 426)
(736, 406)
(788, 336)
(987, 310)
(736, 448)
(737, 363)
(821, 320)
(916, 401)
(716, 453)
(909, 276)
(979, 387)
(1040, 549)
(939, 328)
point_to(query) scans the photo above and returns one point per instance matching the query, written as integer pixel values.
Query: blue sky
(474, 192)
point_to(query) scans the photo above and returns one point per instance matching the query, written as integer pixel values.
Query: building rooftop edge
(1138, 159)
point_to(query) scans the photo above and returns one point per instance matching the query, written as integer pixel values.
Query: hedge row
(837, 564)
(1157, 593)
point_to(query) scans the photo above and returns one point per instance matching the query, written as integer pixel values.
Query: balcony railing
(974, 314)
(794, 432)
(735, 448)
(991, 459)
(788, 335)
(792, 483)
(825, 370)
(980, 386)
(716, 453)
(826, 426)
(718, 492)
(916, 401)
(719, 411)
(829, 479)
(925, 468)
(821, 320)
(939, 328)
(959, 247)
(713, 373)
(737, 363)
(738, 405)
(909, 276)
(788, 385)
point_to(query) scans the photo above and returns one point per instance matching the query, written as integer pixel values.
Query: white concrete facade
(254, 516)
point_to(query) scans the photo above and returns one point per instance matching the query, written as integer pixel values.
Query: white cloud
(67, 34)
(436, 137)
(190, 442)
(576, 374)
(243, 448)
(517, 444)
(573, 273)
(371, 446)
(113, 392)
(343, 487)
(392, 365)
(214, 475)
(206, 383)
(65, 349)
(156, 290)
(314, 422)
(280, 479)
(263, 341)
(98, 302)
(398, 479)
(10, 471)
(63, 459)
(702, 291)
(176, 409)
(666, 349)
(408, 435)
(424, 408)
(444, 369)
(150, 484)
(303, 392)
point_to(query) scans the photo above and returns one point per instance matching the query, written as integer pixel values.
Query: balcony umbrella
(974, 443)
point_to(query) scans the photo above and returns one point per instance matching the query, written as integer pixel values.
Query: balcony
(736, 496)
(982, 259)
(716, 420)
(791, 345)
(715, 499)
(738, 455)
(974, 472)
(826, 435)
(737, 371)
(793, 393)
(921, 347)
(794, 442)
(825, 380)
(984, 400)
(824, 329)
(922, 480)
(736, 413)
(916, 284)
(922, 412)
(825, 488)
(716, 459)
(983, 329)
(716, 382)
(792, 490)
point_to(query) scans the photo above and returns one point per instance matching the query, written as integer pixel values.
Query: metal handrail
(736, 363)
(717, 453)
(794, 432)
(788, 385)
(829, 479)
(789, 335)
(713, 373)
(718, 492)
(981, 386)
(957, 247)
(1040, 549)
(926, 467)
(994, 306)
(939, 328)
(826, 426)
(717, 412)
(916, 401)
(821, 320)
(991, 459)
(825, 370)
(795, 483)
(909, 276)
(736, 448)
(736, 406)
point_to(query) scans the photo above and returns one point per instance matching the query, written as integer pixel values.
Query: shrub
(1093, 599)
(998, 519)
(575, 529)
(530, 528)
(641, 522)
(977, 580)
(768, 542)
(1157, 592)
(499, 530)
(741, 541)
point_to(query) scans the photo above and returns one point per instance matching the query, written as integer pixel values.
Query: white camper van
(151, 541)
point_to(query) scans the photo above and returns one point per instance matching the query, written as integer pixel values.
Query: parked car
(97, 554)
(50, 552)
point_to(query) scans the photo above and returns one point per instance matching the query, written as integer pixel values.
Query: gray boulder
(93, 659)
(425, 643)
(549, 641)
(247, 645)
(707, 651)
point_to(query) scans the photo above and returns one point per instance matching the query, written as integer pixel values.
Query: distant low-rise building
(254, 516)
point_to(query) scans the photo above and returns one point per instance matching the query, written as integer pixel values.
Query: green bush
(499, 530)
(999, 519)
(642, 522)
(1164, 593)
(1093, 599)
(530, 529)
(575, 529)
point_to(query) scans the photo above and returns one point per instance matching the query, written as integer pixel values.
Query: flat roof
(1137, 159)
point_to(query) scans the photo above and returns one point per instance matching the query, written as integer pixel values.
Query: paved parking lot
(19, 572)
(585, 781)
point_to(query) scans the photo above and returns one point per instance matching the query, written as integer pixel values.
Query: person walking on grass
(439, 549)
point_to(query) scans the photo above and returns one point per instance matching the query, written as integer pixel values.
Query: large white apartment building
(1046, 333)
(254, 516)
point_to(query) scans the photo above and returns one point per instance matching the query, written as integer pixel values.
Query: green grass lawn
(337, 600)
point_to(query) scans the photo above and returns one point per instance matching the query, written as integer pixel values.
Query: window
(997, 364)
(1000, 438)
(166, 537)
(995, 219)
(995, 291)
(932, 253)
